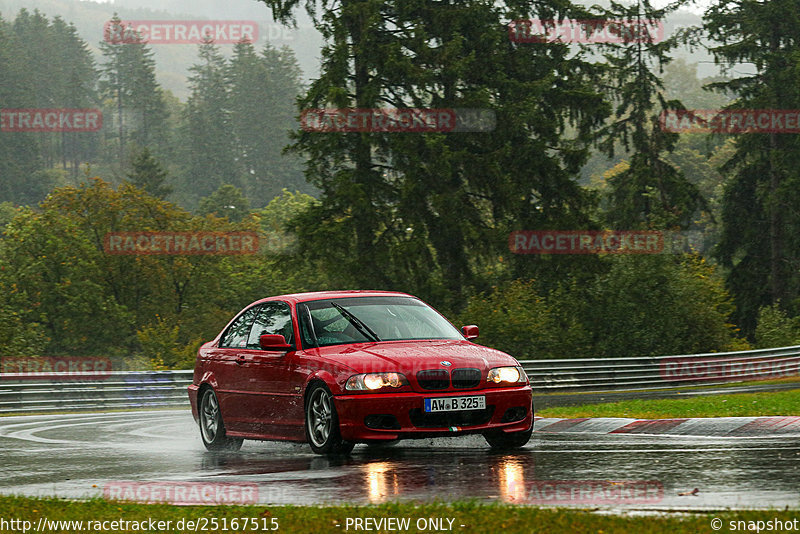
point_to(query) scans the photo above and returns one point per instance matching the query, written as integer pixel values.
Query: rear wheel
(504, 441)
(322, 423)
(212, 429)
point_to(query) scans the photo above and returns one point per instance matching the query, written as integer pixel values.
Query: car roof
(320, 295)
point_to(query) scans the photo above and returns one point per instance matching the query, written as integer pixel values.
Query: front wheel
(504, 441)
(322, 423)
(212, 429)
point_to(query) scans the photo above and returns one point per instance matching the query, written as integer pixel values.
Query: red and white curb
(710, 426)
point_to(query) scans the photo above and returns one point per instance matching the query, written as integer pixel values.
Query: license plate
(455, 404)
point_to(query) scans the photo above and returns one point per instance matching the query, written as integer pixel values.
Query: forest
(577, 143)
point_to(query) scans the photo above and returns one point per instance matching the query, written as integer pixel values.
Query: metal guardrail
(657, 372)
(116, 390)
(150, 389)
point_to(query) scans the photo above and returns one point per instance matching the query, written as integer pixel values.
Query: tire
(504, 441)
(322, 422)
(212, 429)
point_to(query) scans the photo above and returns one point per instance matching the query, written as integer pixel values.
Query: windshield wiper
(358, 323)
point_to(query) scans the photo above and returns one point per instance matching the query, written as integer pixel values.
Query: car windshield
(368, 319)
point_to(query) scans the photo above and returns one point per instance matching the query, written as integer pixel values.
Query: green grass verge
(732, 405)
(476, 518)
(721, 385)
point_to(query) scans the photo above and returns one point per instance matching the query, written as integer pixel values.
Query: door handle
(240, 359)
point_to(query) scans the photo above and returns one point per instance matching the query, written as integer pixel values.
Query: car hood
(410, 357)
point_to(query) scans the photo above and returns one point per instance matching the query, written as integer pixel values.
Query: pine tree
(430, 212)
(209, 155)
(285, 86)
(251, 116)
(760, 221)
(74, 71)
(36, 44)
(19, 151)
(650, 193)
(148, 174)
(146, 99)
(262, 94)
(128, 82)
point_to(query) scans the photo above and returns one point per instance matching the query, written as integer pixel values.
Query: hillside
(174, 60)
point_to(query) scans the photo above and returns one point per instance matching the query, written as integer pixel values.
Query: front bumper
(390, 416)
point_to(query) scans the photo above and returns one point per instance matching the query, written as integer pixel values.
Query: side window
(273, 318)
(236, 336)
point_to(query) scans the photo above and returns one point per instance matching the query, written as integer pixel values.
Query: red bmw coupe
(346, 367)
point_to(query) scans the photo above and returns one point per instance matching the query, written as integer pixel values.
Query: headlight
(373, 381)
(506, 374)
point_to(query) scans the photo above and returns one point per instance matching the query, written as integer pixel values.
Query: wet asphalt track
(77, 455)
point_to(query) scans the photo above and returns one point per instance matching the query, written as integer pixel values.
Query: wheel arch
(313, 381)
(325, 377)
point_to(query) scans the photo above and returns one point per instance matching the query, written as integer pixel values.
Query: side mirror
(273, 342)
(470, 331)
